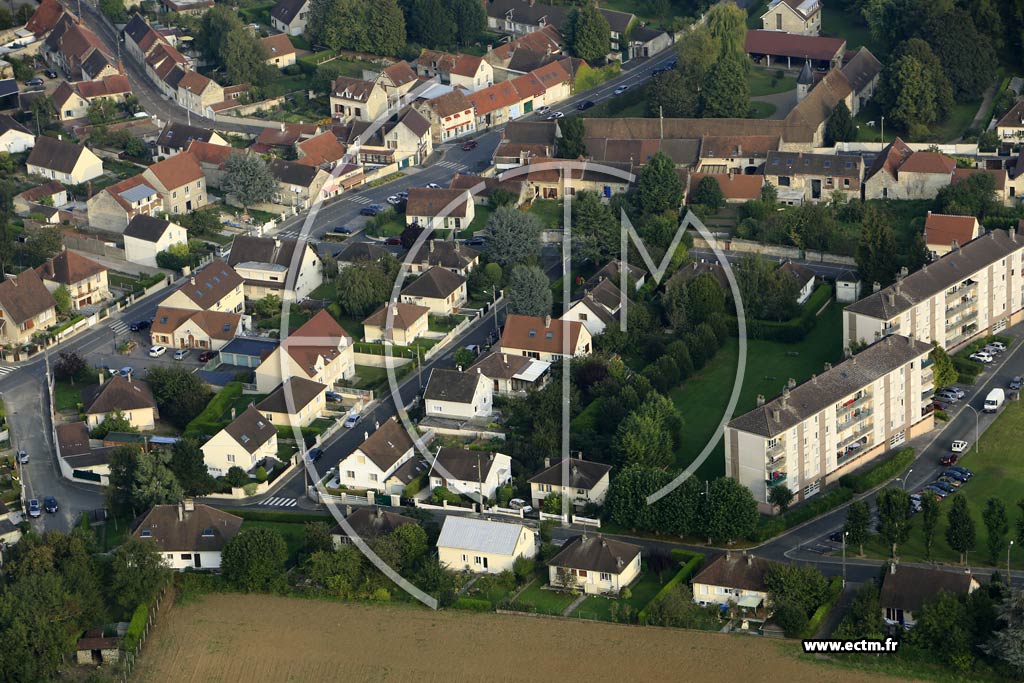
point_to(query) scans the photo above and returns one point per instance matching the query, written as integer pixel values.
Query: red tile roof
(180, 169)
(277, 45)
(528, 86)
(998, 175)
(45, 17)
(328, 335)
(400, 73)
(111, 85)
(928, 162)
(546, 40)
(539, 334)
(320, 149)
(68, 268)
(734, 185)
(209, 153)
(777, 43)
(495, 97)
(943, 229)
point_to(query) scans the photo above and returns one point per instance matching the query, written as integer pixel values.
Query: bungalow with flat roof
(595, 564)
(246, 442)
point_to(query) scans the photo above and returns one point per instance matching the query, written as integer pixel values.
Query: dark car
(962, 470)
(940, 492)
(343, 230)
(948, 488)
(393, 241)
(1015, 383)
(50, 73)
(836, 536)
(955, 474)
(585, 104)
(34, 81)
(470, 145)
(139, 326)
(475, 242)
(50, 504)
(315, 454)
(207, 356)
(371, 210)
(333, 396)
(949, 459)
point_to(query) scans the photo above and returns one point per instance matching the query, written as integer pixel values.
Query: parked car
(394, 200)
(34, 81)
(959, 446)
(836, 536)
(960, 393)
(393, 241)
(207, 356)
(939, 405)
(949, 459)
(469, 145)
(157, 351)
(621, 89)
(555, 115)
(126, 370)
(23, 457)
(333, 396)
(992, 350)
(982, 357)
(33, 508)
(948, 488)
(139, 326)
(343, 230)
(584, 105)
(997, 345)
(50, 504)
(433, 186)
(950, 480)
(941, 493)
(475, 242)
(50, 73)
(371, 210)
(962, 470)
(956, 474)
(947, 396)
(1015, 383)
(544, 109)
(181, 354)
(315, 454)
(520, 504)
(351, 420)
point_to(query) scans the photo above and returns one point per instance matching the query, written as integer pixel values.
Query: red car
(393, 241)
(206, 356)
(469, 145)
(948, 459)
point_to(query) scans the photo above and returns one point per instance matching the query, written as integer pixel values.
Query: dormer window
(146, 533)
(208, 532)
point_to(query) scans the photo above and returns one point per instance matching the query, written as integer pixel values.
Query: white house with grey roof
(482, 546)
(268, 264)
(465, 472)
(378, 457)
(246, 442)
(833, 423)
(581, 481)
(975, 289)
(146, 236)
(458, 395)
(595, 565)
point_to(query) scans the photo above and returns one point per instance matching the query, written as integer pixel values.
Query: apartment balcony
(853, 404)
(961, 305)
(854, 420)
(892, 328)
(857, 434)
(966, 333)
(964, 318)
(776, 450)
(775, 478)
(774, 463)
(927, 394)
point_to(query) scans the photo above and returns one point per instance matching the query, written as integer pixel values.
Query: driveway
(782, 101)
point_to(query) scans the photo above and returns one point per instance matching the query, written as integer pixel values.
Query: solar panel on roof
(137, 193)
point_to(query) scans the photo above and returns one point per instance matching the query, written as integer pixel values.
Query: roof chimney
(233, 411)
(791, 383)
(892, 298)
(547, 321)
(750, 560)
(814, 378)
(192, 280)
(189, 504)
(760, 400)
(892, 567)
(547, 463)
(876, 287)
(828, 366)
(348, 510)
(903, 272)
(954, 246)
(366, 435)
(376, 425)
(776, 415)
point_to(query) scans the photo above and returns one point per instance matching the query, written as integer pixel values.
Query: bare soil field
(262, 638)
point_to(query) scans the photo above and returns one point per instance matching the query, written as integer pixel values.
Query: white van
(994, 400)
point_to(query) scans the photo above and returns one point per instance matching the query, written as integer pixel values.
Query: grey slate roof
(146, 228)
(480, 535)
(293, 173)
(861, 69)
(735, 570)
(801, 163)
(180, 136)
(820, 392)
(248, 249)
(370, 523)
(299, 390)
(387, 445)
(939, 276)
(461, 464)
(251, 430)
(908, 588)
(360, 251)
(118, 393)
(203, 529)
(583, 474)
(57, 155)
(436, 283)
(531, 132)
(451, 385)
(596, 554)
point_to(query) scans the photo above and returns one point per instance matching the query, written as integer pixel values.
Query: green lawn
(865, 133)
(369, 377)
(626, 105)
(392, 227)
(354, 326)
(549, 211)
(761, 110)
(998, 473)
(959, 120)
(543, 601)
(481, 214)
(851, 26)
(766, 82)
(326, 291)
(600, 607)
(67, 396)
(441, 323)
(702, 399)
(291, 532)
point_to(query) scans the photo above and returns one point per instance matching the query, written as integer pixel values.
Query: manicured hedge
(473, 604)
(819, 505)
(693, 562)
(876, 475)
(794, 330)
(835, 589)
(210, 421)
(136, 627)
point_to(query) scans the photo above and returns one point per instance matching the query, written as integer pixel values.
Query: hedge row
(791, 331)
(967, 370)
(210, 420)
(835, 589)
(473, 604)
(819, 505)
(693, 561)
(136, 627)
(885, 470)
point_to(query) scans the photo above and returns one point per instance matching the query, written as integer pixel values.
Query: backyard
(702, 399)
(997, 474)
(535, 598)
(549, 211)
(767, 81)
(641, 592)
(67, 396)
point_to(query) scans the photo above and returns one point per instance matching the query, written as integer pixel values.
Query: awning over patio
(750, 601)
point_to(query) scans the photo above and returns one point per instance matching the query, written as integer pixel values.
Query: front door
(199, 561)
(816, 189)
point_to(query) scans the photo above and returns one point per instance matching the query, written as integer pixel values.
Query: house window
(231, 458)
(186, 556)
(582, 573)
(373, 477)
(605, 576)
(350, 474)
(465, 558)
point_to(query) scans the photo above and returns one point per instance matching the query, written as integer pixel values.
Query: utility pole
(1008, 549)
(479, 481)
(845, 534)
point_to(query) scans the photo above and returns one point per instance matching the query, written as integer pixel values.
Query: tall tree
(244, 59)
(587, 33)
(1020, 523)
(781, 496)
(254, 560)
(929, 521)
(705, 299)
(643, 440)
(839, 127)
(914, 97)
(39, 618)
(935, 82)
(709, 193)
(893, 517)
(385, 28)
(658, 186)
(732, 511)
(968, 59)
(365, 285)
(876, 251)
(137, 573)
(698, 51)
(153, 483)
(669, 94)
(626, 502)
(529, 292)
(858, 517)
(430, 24)
(180, 395)
(727, 23)
(997, 524)
(571, 144)
(944, 372)
(514, 237)
(1007, 643)
(470, 20)
(726, 91)
(595, 229)
(960, 532)
(248, 178)
(189, 467)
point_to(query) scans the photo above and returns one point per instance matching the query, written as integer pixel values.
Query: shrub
(693, 562)
(878, 474)
(414, 486)
(236, 476)
(523, 567)
(211, 421)
(260, 474)
(819, 505)
(136, 627)
(472, 604)
(835, 590)
(791, 331)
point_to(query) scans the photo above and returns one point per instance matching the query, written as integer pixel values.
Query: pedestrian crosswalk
(6, 370)
(451, 164)
(282, 502)
(360, 199)
(119, 327)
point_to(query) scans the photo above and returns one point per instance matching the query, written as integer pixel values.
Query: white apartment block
(973, 290)
(835, 422)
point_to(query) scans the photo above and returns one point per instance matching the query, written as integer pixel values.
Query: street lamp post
(905, 477)
(1008, 549)
(845, 534)
(977, 426)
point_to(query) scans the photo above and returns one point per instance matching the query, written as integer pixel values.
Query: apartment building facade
(815, 432)
(975, 289)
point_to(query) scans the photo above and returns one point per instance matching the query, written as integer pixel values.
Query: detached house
(246, 442)
(379, 455)
(85, 280)
(458, 395)
(793, 16)
(463, 71)
(64, 161)
(26, 307)
(298, 185)
(180, 182)
(511, 374)
(734, 579)
(52, 194)
(466, 472)
(439, 289)
(129, 396)
(176, 138)
(188, 535)
(906, 590)
(408, 323)
(320, 351)
(544, 339)
(899, 172)
(356, 99)
(582, 482)
(439, 208)
(803, 277)
(145, 237)
(290, 16)
(450, 254)
(297, 402)
(279, 49)
(267, 264)
(369, 524)
(595, 564)
(217, 287)
(182, 328)
(14, 137)
(1011, 126)
(943, 233)
(482, 546)
(113, 208)
(599, 307)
